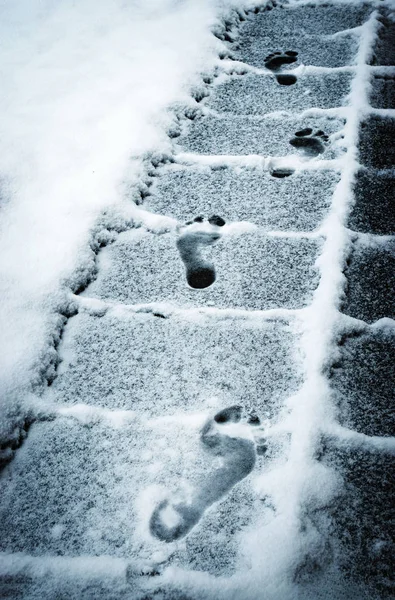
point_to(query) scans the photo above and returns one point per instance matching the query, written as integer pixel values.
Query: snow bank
(85, 92)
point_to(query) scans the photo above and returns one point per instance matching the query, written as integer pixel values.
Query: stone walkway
(220, 421)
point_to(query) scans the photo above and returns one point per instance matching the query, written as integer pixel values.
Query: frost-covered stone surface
(141, 267)
(269, 136)
(160, 365)
(217, 421)
(296, 202)
(259, 94)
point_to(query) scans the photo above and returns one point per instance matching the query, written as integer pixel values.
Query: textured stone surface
(312, 50)
(376, 148)
(363, 378)
(299, 202)
(302, 30)
(81, 490)
(374, 208)
(383, 91)
(370, 282)
(162, 366)
(253, 272)
(362, 517)
(308, 20)
(384, 51)
(259, 94)
(248, 135)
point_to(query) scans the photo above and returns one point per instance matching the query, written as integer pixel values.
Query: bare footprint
(200, 272)
(171, 521)
(311, 144)
(276, 60)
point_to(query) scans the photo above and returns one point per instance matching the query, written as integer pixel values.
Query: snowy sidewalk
(231, 438)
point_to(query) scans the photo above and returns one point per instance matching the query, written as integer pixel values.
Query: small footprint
(276, 60)
(311, 144)
(171, 521)
(200, 272)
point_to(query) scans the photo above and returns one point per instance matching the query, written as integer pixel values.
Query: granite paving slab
(370, 293)
(374, 208)
(362, 518)
(89, 490)
(268, 136)
(376, 145)
(158, 366)
(260, 94)
(384, 51)
(382, 94)
(294, 201)
(364, 381)
(253, 272)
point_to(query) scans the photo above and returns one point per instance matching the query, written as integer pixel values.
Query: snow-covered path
(230, 438)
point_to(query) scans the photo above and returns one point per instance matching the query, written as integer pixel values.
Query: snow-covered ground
(85, 92)
(165, 440)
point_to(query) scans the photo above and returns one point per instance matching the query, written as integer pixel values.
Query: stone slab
(160, 366)
(370, 277)
(374, 209)
(313, 19)
(382, 94)
(299, 202)
(376, 145)
(88, 490)
(260, 94)
(253, 271)
(364, 381)
(313, 50)
(362, 518)
(384, 51)
(269, 136)
(306, 31)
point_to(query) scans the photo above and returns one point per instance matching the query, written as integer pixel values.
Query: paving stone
(374, 209)
(384, 51)
(299, 202)
(287, 29)
(370, 282)
(310, 20)
(161, 366)
(312, 50)
(253, 271)
(363, 378)
(376, 146)
(250, 135)
(362, 517)
(383, 92)
(260, 94)
(89, 490)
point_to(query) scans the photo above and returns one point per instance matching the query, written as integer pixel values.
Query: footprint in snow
(196, 236)
(276, 60)
(310, 144)
(171, 521)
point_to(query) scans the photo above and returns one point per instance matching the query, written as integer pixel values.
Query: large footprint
(311, 144)
(171, 521)
(199, 271)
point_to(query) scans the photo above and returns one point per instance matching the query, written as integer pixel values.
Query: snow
(85, 88)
